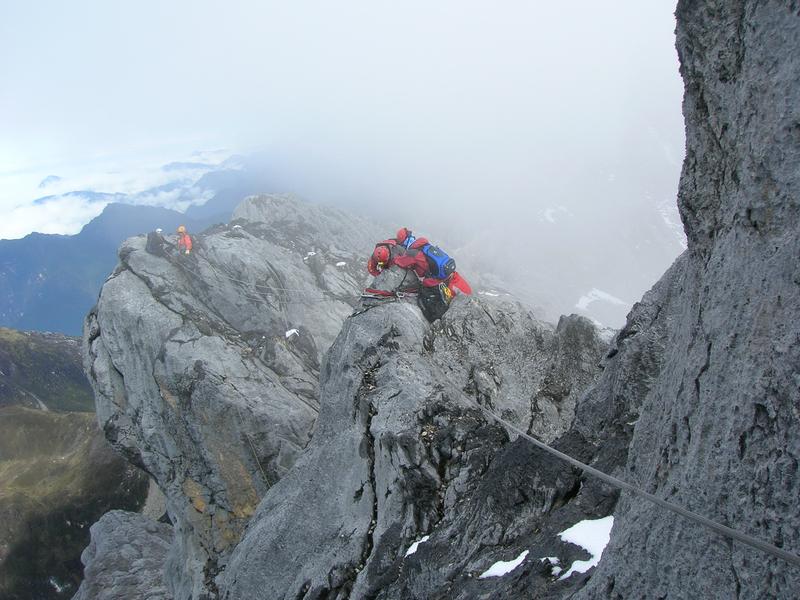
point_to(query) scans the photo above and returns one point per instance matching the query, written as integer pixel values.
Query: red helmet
(402, 234)
(381, 255)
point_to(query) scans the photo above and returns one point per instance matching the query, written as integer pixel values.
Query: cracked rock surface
(719, 422)
(205, 367)
(401, 451)
(696, 400)
(125, 558)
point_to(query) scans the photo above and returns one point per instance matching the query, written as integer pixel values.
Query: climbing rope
(384, 296)
(280, 290)
(253, 448)
(381, 301)
(624, 485)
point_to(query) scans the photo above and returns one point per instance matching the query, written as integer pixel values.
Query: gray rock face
(401, 451)
(697, 401)
(205, 368)
(719, 419)
(125, 559)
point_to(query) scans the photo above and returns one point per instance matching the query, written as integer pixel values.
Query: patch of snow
(292, 332)
(554, 561)
(237, 226)
(58, 588)
(413, 547)
(502, 567)
(492, 294)
(668, 210)
(341, 264)
(595, 294)
(605, 333)
(592, 535)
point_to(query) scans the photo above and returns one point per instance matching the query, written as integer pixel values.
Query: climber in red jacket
(418, 255)
(382, 256)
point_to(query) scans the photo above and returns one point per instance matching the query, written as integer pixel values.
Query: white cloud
(137, 178)
(62, 214)
(595, 294)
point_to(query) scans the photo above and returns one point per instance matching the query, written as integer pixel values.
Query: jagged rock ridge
(401, 451)
(176, 349)
(205, 367)
(696, 403)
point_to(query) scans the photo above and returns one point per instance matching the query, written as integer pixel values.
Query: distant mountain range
(42, 371)
(50, 282)
(58, 474)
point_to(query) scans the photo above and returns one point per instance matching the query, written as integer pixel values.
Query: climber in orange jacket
(184, 241)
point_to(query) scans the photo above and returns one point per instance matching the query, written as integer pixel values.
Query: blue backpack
(440, 265)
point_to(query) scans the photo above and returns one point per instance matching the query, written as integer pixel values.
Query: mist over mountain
(403, 458)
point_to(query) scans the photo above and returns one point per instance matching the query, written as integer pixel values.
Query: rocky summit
(205, 367)
(313, 445)
(210, 371)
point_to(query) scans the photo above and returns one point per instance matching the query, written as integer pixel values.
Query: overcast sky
(425, 88)
(450, 114)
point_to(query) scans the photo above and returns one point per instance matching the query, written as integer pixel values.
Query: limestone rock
(719, 420)
(125, 559)
(402, 451)
(205, 367)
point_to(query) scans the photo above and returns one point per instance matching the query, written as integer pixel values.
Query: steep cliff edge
(718, 427)
(207, 373)
(205, 368)
(406, 490)
(401, 452)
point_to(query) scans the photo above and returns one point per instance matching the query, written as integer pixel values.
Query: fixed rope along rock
(713, 525)
(253, 448)
(288, 291)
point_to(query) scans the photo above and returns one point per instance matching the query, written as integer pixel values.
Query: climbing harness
(624, 485)
(384, 296)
